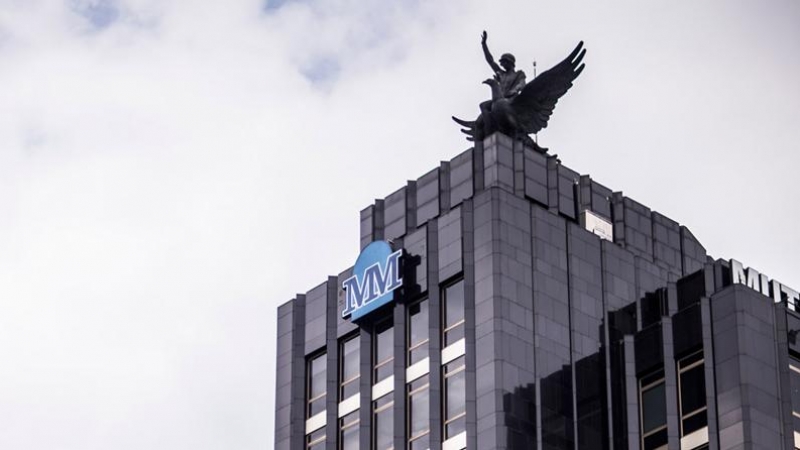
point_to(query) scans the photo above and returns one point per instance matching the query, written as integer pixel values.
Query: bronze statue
(518, 109)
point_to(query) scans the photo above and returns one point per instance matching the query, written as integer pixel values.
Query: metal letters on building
(376, 275)
(761, 283)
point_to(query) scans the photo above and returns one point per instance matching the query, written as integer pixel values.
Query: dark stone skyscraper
(532, 307)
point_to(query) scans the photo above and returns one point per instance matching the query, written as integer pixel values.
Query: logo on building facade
(376, 275)
(761, 283)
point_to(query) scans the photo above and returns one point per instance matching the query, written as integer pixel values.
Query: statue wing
(535, 103)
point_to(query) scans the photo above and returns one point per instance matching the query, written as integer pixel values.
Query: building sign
(597, 224)
(761, 283)
(376, 275)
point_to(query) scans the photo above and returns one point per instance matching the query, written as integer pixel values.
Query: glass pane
(454, 335)
(384, 351)
(350, 389)
(316, 440)
(350, 439)
(419, 411)
(350, 359)
(654, 408)
(317, 382)
(794, 377)
(455, 427)
(349, 431)
(455, 389)
(384, 427)
(454, 303)
(418, 331)
(693, 390)
(656, 441)
(694, 423)
(421, 443)
(316, 385)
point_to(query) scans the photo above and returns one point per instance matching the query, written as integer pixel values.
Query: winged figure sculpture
(518, 109)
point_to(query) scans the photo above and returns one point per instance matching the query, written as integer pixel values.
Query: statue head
(508, 61)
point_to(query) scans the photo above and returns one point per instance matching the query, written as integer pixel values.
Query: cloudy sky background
(172, 171)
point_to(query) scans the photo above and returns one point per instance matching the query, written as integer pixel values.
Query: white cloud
(170, 176)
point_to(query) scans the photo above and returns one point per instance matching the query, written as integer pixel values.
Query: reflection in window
(419, 414)
(653, 412)
(794, 383)
(384, 351)
(455, 401)
(417, 332)
(349, 374)
(348, 431)
(315, 385)
(692, 393)
(453, 312)
(383, 422)
(316, 440)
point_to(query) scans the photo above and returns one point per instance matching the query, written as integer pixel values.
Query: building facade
(535, 308)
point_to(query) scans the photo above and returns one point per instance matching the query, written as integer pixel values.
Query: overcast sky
(172, 171)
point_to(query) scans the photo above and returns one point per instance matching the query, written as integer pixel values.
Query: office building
(506, 301)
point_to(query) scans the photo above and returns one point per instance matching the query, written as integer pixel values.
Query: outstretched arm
(488, 55)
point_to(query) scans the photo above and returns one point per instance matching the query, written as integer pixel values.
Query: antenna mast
(535, 135)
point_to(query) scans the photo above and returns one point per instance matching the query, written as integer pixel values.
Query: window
(349, 375)
(348, 431)
(653, 413)
(316, 440)
(794, 383)
(418, 332)
(455, 401)
(384, 351)
(383, 427)
(453, 312)
(419, 414)
(692, 393)
(315, 385)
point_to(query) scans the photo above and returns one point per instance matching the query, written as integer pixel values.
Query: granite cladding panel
(416, 261)
(343, 326)
(567, 179)
(394, 214)
(450, 244)
(504, 314)
(586, 319)
(498, 162)
(552, 328)
(535, 176)
(367, 225)
(638, 228)
(601, 199)
(694, 254)
(619, 272)
(748, 401)
(461, 178)
(667, 243)
(488, 403)
(427, 196)
(316, 310)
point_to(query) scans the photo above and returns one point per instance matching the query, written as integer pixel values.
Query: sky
(171, 171)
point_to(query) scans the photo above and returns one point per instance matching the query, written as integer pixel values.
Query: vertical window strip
(316, 370)
(418, 332)
(348, 431)
(418, 414)
(692, 393)
(349, 374)
(383, 422)
(383, 354)
(316, 440)
(652, 412)
(452, 312)
(454, 401)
